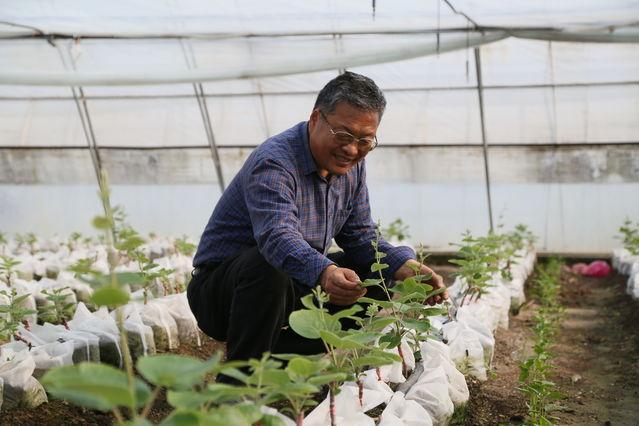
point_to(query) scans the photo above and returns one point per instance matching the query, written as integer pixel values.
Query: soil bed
(596, 355)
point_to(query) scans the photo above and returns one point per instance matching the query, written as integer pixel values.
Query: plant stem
(118, 415)
(299, 419)
(331, 398)
(149, 404)
(128, 361)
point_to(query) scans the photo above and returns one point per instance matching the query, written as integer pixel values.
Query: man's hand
(436, 281)
(342, 285)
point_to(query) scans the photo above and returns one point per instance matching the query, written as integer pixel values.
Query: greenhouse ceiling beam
(313, 92)
(567, 145)
(480, 93)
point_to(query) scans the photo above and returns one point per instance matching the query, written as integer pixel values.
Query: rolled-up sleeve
(358, 233)
(270, 199)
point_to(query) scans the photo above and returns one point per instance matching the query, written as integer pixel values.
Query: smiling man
(266, 243)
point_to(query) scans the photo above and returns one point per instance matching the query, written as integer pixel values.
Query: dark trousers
(246, 302)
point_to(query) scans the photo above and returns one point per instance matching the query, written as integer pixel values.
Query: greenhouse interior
(167, 257)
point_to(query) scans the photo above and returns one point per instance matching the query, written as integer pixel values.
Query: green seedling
(13, 315)
(7, 268)
(406, 308)
(477, 264)
(630, 236)
(347, 350)
(535, 371)
(184, 247)
(396, 229)
(60, 310)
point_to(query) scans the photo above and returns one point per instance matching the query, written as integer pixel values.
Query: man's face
(331, 157)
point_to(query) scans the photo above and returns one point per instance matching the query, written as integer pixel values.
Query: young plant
(396, 229)
(13, 315)
(405, 305)
(3, 243)
(7, 268)
(477, 264)
(345, 350)
(60, 310)
(184, 247)
(630, 236)
(535, 371)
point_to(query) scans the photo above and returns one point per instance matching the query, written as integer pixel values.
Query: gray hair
(356, 89)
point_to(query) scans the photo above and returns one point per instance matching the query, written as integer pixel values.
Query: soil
(596, 357)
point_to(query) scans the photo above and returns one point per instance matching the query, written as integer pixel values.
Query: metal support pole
(208, 128)
(206, 117)
(89, 134)
(480, 92)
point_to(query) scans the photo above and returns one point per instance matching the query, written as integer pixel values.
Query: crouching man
(266, 243)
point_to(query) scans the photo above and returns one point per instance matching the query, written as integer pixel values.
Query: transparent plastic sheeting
(257, 17)
(109, 62)
(566, 217)
(536, 115)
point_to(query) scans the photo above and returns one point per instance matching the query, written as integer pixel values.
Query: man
(266, 243)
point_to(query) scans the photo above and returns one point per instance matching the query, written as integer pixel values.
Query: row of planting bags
(160, 325)
(437, 384)
(627, 264)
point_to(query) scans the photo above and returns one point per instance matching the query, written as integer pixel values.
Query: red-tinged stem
(19, 338)
(331, 398)
(26, 325)
(379, 373)
(360, 386)
(401, 355)
(64, 323)
(299, 420)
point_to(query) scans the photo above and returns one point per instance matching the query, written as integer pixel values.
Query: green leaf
(309, 323)
(383, 303)
(187, 399)
(110, 296)
(338, 342)
(97, 386)
(417, 325)
(101, 222)
(307, 301)
(185, 418)
(132, 278)
(301, 368)
(376, 360)
(376, 267)
(327, 378)
(175, 371)
(347, 312)
(371, 282)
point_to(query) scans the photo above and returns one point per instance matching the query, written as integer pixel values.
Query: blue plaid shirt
(279, 203)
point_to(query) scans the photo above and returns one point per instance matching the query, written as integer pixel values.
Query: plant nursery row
(95, 322)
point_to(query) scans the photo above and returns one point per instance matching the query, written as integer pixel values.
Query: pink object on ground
(579, 268)
(598, 268)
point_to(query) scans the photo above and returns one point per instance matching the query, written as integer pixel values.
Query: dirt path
(596, 357)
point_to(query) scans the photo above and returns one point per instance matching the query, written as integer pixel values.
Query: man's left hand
(436, 281)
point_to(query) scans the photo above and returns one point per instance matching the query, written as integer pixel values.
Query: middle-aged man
(266, 243)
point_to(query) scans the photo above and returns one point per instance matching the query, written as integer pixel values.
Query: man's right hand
(342, 285)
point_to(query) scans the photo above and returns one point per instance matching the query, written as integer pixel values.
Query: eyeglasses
(344, 138)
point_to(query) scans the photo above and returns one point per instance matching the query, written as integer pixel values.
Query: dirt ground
(596, 355)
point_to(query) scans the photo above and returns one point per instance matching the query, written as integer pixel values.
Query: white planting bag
(178, 308)
(165, 330)
(20, 388)
(466, 316)
(436, 354)
(431, 392)
(346, 409)
(402, 412)
(139, 335)
(100, 324)
(466, 350)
